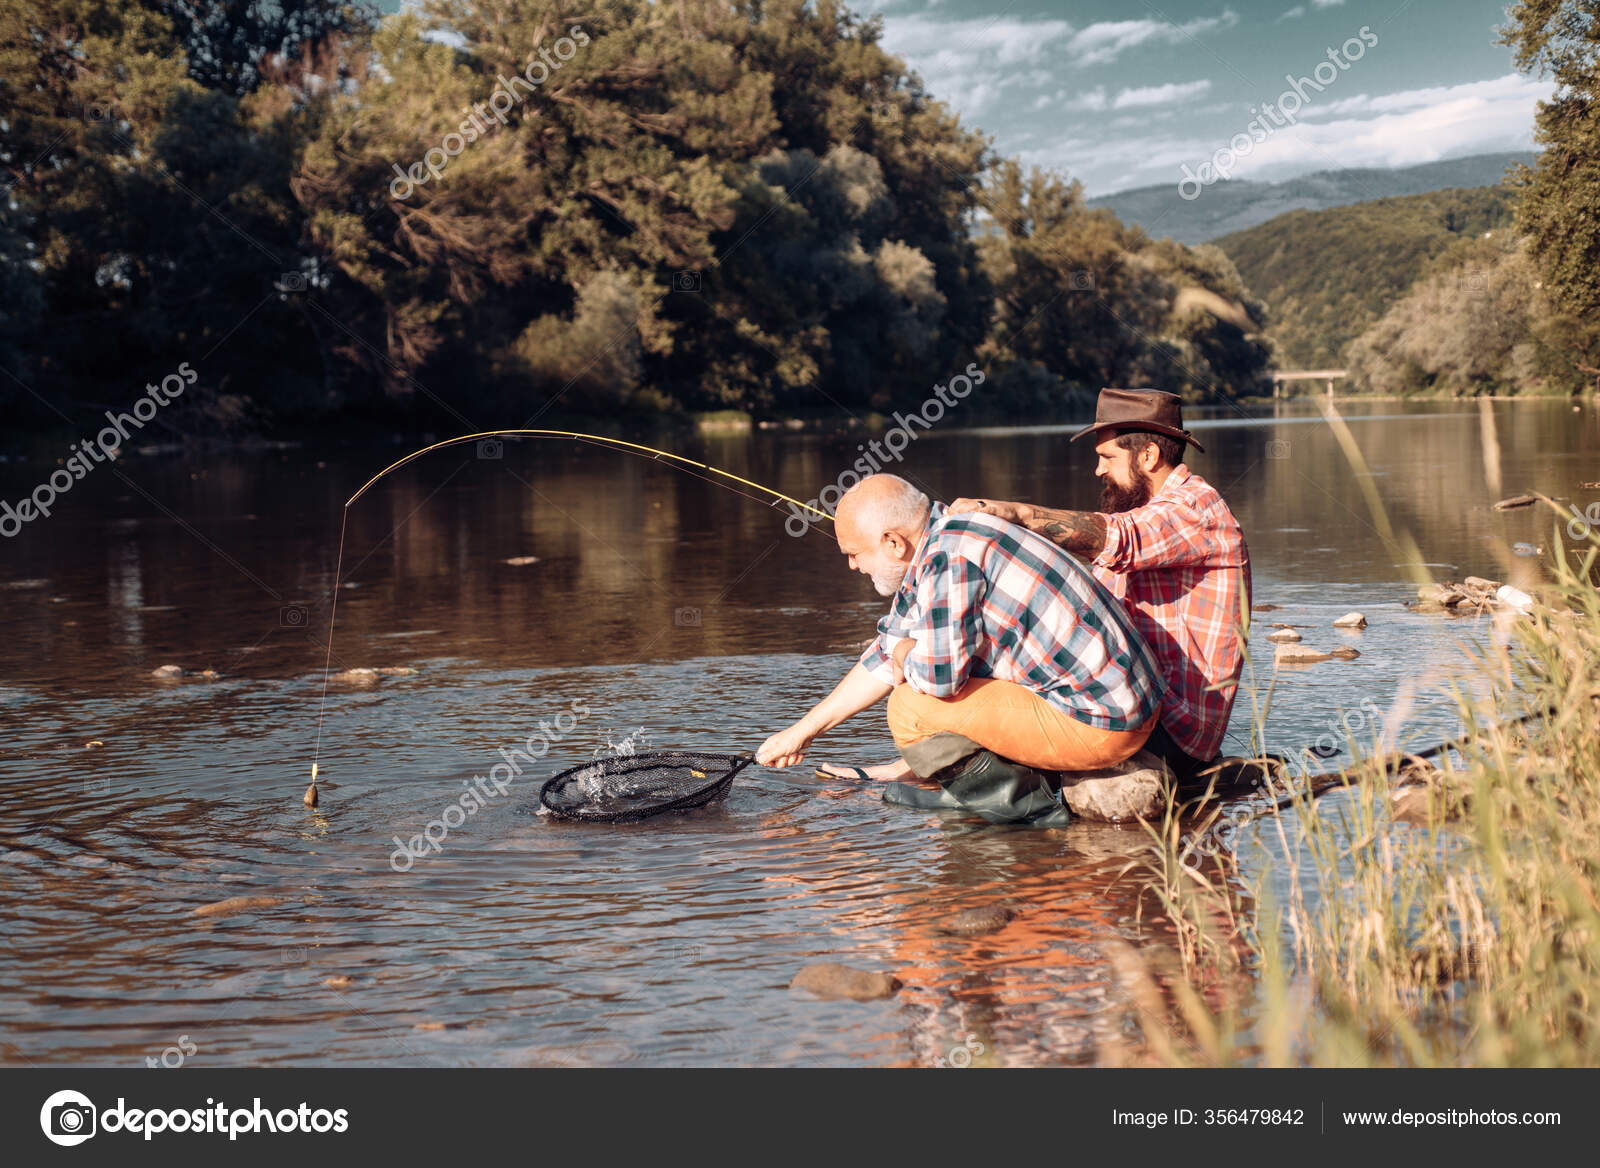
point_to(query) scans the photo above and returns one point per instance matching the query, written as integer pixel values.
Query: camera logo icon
(68, 1118)
(491, 448)
(1081, 280)
(686, 281)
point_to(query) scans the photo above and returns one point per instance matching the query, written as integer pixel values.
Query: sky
(1124, 93)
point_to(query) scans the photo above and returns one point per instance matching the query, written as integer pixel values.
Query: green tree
(1559, 209)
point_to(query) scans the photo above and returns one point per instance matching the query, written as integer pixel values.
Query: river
(657, 611)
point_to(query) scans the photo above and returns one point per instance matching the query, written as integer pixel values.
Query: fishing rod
(700, 470)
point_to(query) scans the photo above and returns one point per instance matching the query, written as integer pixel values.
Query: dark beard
(1114, 498)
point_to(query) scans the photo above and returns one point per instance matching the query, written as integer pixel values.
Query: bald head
(880, 504)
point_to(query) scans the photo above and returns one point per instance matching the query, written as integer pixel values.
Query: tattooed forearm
(1083, 532)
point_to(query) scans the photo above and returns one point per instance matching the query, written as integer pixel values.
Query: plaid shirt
(986, 598)
(1180, 565)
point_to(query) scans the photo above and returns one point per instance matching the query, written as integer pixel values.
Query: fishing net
(637, 786)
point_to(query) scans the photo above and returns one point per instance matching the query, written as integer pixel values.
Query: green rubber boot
(994, 788)
(920, 798)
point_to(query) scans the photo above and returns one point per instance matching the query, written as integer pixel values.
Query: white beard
(888, 583)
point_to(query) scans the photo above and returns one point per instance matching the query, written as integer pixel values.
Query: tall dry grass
(1416, 914)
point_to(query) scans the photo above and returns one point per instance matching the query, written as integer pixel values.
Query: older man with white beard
(1003, 659)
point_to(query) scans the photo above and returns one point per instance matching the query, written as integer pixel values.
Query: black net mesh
(637, 786)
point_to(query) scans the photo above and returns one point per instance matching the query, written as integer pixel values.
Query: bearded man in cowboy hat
(1167, 546)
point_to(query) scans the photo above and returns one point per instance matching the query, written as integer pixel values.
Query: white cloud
(970, 62)
(1326, 3)
(1159, 94)
(1397, 129)
(1108, 39)
(1294, 13)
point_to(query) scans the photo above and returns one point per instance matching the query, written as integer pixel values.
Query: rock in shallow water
(1300, 655)
(1132, 790)
(972, 922)
(1351, 620)
(167, 673)
(235, 904)
(1283, 636)
(832, 981)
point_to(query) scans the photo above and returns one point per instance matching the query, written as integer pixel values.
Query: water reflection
(667, 606)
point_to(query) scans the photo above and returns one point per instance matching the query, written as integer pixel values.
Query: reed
(1416, 915)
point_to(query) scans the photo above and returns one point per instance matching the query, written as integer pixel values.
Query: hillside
(1236, 206)
(1326, 276)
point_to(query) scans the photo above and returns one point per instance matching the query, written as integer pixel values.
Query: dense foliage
(1559, 204)
(1328, 275)
(478, 211)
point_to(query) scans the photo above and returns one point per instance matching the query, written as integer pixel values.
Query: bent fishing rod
(700, 470)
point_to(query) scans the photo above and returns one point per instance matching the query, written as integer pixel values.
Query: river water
(659, 612)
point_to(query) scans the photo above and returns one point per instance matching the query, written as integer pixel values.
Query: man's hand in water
(1010, 512)
(785, 748)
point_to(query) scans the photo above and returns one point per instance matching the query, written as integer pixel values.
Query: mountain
(1327, 275)
(1237, 205)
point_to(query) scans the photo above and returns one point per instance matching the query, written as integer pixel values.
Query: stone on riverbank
(832, 981)
(1129, 791)
(1351, 620)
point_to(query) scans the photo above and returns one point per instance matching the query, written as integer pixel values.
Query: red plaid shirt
(1180, 566)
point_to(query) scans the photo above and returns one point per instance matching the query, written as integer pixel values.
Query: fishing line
(700, 470)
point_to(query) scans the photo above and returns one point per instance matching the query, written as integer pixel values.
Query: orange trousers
(1014, 722)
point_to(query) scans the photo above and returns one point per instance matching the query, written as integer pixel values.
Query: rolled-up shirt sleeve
(1162, 534)
(947, 625)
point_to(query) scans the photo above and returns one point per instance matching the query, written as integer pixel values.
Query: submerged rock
(972, 922)
(1300, 655)
(236, 904)
(362, 676)
(832, 981)
(167, 673)
(522, 561)
(1351, 620)
(1132, 790)
(1344, 653)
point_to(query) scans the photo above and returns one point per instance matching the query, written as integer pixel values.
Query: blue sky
(1123, 93)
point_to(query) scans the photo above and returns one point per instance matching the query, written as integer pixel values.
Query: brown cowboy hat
(1153, 411)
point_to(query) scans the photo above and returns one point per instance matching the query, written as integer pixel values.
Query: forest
(514, 210)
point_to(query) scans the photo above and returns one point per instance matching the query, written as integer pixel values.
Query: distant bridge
(1279, 376)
